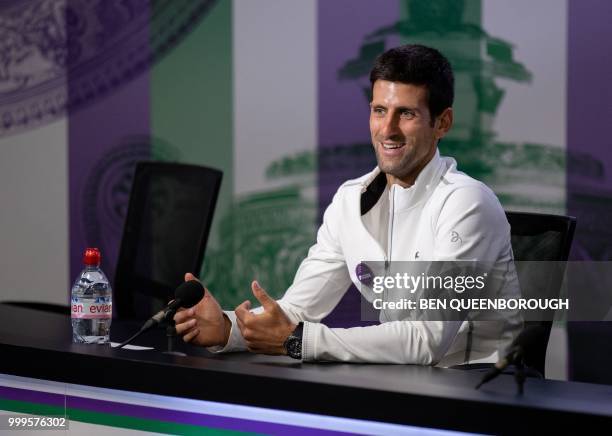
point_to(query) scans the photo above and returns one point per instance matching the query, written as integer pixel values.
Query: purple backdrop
(105, 129)
(589, 185)
(343, 138)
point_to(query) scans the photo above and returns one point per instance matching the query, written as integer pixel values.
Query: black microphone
(522, 350)
(187, 295)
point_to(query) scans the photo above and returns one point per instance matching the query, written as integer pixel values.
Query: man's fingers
(191, 335)
(247, 333)
(208, 295)
(184, 327)
(242, 311)
(254, 347)
(189, 276)
(262, 296)
(183, 315)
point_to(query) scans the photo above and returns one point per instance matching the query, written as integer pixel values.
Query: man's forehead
(398, 93)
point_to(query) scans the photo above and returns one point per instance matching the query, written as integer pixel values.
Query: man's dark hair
(418, 65)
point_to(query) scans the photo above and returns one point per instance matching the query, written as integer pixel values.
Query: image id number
(29, 422)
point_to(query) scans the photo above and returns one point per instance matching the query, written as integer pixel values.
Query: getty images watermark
(457, 284)
(457, 290)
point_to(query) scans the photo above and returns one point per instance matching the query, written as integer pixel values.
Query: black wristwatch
(293, 344)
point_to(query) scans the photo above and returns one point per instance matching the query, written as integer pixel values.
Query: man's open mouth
(391, 146)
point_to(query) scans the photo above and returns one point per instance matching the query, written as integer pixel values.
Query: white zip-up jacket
(445, 215)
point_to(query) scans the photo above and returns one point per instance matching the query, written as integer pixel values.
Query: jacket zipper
(389, 241)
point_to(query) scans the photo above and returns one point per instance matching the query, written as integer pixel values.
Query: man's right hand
(204, 324)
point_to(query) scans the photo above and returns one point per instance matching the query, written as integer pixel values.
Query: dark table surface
(38, 344)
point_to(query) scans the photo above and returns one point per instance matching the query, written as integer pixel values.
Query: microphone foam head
(190, 293)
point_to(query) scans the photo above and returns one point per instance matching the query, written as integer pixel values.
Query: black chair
(165, 233)
(540, 238)
(541, 244)
(168, 220)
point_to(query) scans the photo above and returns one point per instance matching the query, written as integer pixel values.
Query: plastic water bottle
(91, 302)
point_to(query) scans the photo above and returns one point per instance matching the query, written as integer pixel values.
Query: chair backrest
(166, 228)
(541, 237)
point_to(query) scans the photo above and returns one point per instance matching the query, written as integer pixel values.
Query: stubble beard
(408, 167)
(398, 169)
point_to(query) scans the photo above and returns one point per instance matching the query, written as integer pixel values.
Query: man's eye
(408, 114)
(378, 111)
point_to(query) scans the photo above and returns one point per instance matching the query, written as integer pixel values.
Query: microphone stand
(171, 336)
(515, 356)
(519, 375)
(187, 294)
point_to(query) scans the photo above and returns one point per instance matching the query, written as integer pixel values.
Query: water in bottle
(91, 302)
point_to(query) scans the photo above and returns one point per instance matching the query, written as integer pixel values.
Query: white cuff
(308, 340)
(235, 342)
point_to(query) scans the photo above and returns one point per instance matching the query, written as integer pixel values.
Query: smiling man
(404, 130)
(415, 205)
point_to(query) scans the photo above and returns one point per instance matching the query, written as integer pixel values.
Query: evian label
(99, 308)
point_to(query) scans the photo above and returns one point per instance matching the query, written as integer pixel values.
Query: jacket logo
(455, 237)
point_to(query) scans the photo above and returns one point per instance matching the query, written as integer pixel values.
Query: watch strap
(293, 344)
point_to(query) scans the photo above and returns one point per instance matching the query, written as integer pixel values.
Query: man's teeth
(389, 146)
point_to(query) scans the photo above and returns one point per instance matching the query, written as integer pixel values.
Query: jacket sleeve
(319, 284)
(475, 215)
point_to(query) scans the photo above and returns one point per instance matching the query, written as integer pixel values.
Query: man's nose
(390, 127)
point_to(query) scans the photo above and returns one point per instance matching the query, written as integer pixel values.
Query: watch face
(294, 347)
(293, 344)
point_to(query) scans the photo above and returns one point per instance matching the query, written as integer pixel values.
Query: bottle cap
(92, 257)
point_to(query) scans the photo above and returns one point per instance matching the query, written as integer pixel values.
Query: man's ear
(443, 123)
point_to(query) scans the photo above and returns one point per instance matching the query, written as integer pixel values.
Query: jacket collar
(374, 185)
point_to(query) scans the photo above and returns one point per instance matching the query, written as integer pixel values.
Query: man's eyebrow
(408, 108)
(399, 108)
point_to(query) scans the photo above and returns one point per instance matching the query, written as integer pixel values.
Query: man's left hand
(266, 332)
